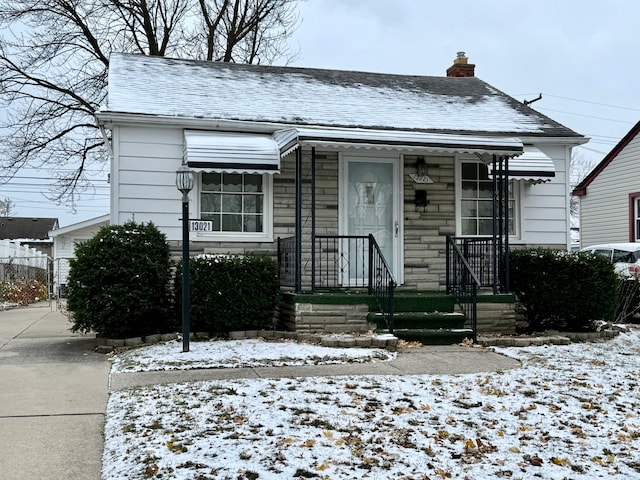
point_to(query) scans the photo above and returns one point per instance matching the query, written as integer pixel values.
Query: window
(236, 203)
(637, 219)
(476, 201)
(634, 217)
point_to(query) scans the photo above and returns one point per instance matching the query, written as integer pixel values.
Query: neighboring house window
(634, 217)
(476, 201)
(236, 203)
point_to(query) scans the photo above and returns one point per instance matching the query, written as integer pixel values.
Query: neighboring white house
(283, 152)
(610, 195)
(65, 240)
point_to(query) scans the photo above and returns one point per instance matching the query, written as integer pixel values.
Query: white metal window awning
(208, 151)
(292, 138)
(533, 165)
(229, 152)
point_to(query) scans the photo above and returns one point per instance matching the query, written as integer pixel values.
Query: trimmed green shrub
(118, 282)
(230, 292)
(561, 290)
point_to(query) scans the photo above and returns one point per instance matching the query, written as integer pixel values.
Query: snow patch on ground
(238, 354)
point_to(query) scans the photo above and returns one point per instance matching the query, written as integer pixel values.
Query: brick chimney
(460, 67)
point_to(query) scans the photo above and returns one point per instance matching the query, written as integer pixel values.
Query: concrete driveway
(53, 396)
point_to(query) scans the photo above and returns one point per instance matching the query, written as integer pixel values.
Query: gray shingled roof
(14, 228)
(161, 86)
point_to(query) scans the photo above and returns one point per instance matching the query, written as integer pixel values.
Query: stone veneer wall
(496, 318)
(323, 318)
(327, 318)
(425, 229)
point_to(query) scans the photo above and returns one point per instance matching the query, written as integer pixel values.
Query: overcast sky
(582, 55)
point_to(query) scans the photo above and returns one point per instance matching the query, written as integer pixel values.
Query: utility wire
(586, 116)
(593, 103)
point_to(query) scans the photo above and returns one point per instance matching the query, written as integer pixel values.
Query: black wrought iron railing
(340, 262)
(463, 284)
(381, 282)
(479, 253)
(287, 261)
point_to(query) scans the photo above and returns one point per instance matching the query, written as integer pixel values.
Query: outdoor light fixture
(421, 172)
(184, 182)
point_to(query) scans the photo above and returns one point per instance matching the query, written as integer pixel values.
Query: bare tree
(6, 207)
(579, 168)
(54, 56)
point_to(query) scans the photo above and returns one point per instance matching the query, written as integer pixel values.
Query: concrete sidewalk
(430, 360)
(52, 399)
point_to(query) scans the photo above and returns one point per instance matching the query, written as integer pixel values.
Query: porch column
(313, 219)
(505, 284)
(494, 232)
(298, 222)
(501, 208)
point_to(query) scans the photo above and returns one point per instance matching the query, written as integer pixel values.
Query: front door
(369, 205)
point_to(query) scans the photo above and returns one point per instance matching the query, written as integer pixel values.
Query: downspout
(313, 219)
(298, 222)
(107, 143)
(112, 181)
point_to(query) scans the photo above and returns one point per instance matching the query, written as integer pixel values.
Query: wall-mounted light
(420, 178)
(421, 172)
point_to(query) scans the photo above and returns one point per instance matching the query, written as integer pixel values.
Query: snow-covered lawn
(570, 412)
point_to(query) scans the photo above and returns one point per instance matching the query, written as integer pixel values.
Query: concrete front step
(431, 336)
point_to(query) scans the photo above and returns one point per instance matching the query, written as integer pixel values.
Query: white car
(624, 256)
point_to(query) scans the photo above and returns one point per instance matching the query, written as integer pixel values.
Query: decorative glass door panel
(370, 209)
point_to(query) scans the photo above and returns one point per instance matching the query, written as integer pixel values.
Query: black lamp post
(184, 182)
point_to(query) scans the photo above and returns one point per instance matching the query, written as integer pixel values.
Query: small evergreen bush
(230, 292)
(561, 290)
(118, 282)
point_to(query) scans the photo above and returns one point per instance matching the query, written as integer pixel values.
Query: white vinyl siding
(545, 206)
(604, 210)
(143, 184)
(145, 177)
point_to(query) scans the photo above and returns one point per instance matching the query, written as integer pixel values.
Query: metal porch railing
(287, 261)
(463, 284)
(341, 262)
(381, 282)
(487, 261)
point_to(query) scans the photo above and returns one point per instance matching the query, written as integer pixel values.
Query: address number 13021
(200, 225)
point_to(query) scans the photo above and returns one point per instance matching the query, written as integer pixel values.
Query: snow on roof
(160, 86)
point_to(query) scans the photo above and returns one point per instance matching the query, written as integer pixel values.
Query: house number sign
(200, 225)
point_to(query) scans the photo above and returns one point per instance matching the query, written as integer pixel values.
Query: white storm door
(369, 205)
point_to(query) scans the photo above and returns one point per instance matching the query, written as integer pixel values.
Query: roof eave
(108, 119)
(581, 189)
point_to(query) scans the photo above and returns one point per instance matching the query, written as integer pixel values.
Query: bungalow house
(386, 182)
(610, 195)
